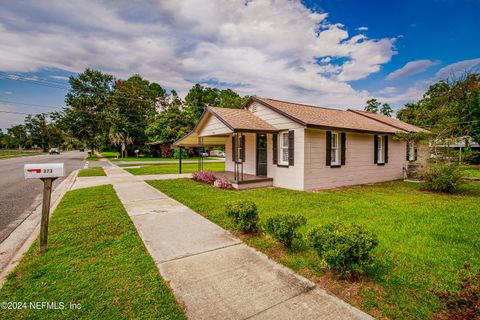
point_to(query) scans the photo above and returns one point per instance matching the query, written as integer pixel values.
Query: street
(18, 195)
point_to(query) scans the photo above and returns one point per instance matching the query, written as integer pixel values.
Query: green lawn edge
(95, 258)
(171, 168)
(92, 172)
(425, 238)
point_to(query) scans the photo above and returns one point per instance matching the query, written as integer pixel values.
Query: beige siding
(359, 167)
(212, 126)
(291, 177)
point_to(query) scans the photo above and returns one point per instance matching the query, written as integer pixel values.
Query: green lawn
(472, 171)
(112, 157)
(425, 238)
(92, 172)
(173, 168)
(5, 154)
(96, 259)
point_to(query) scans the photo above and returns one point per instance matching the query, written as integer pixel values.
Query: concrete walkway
(213, 274)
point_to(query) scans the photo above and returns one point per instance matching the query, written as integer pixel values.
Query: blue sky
(334, 53)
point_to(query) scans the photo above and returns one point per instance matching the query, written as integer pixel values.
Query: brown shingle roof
(390, 121)
(334, 118)
(241, 119)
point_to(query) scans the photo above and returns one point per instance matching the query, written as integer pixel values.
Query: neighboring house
(302, 147)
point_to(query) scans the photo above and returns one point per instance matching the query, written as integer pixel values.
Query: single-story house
(270, 142)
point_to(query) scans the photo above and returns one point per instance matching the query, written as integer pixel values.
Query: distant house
(302, 147)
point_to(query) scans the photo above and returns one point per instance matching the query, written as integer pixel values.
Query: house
(302, 147)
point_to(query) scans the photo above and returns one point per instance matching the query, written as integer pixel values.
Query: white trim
(411, 151)
(380, 152)
(283, 148)
(334, 152)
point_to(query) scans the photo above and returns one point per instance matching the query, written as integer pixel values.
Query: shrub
(204, 176)
(176, 153)
(222, 183)
(344, 249)
(244, 215)
(444, 177)
(464, 303)
(284, 227)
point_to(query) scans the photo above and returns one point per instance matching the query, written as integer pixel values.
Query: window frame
(283, 145)
(380, 150)
(411, 151)
(334, 149)
(239, 148)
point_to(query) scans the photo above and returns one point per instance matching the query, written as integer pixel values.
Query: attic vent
(254, 108)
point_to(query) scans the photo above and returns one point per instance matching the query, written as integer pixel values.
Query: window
(380, 150)
(239, 148)
(411, 151)
(334, 158)
(284, 148)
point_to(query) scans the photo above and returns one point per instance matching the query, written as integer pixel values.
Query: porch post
(180, 160)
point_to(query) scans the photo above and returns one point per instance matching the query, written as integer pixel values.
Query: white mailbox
(43, 170)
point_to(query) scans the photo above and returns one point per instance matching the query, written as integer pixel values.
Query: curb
(20, 240)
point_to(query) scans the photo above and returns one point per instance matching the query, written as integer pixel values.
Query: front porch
(244, 137)
(245, 181)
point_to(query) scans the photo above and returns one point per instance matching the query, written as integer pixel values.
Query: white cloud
(59, 77)
(458, 68)
(269, 47)
(362, 29)
(411, 68)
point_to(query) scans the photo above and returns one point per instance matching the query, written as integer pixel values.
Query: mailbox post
(47, 172)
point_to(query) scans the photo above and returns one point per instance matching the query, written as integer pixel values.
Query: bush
(284, 227)
(244, 215)
(464, 303)
(442, 177)
(204, 176)
(344, 249)
(223, 183)
(176, 153)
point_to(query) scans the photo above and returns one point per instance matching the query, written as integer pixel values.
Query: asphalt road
(18, 195)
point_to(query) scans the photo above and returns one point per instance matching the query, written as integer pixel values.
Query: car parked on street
(54, 151)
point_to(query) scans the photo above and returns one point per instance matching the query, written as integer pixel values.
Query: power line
(14, 112)
(28, 104)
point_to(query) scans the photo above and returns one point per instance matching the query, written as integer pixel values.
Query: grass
(92, 157)
(471, 171)
(92, 172)
(425, 238)
(113, 155)
(96, 259)
(174, 168)
(5, 154)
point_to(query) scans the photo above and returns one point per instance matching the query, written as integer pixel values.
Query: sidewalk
(213, 274)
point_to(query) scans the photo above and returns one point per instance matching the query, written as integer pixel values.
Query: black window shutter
(343, 145)
(291, 148)
(375, 149)
(385, 138)
(234, 149)
(275, 144)
(328, 151)
(408, 151)
(415, 153)
(243, 147)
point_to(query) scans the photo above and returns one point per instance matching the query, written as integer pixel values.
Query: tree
(85, 116)
(451, 109)
(386, 110)
(199, 97)
(2, 135)
(16, 136)
(131, 109)
(372, 105)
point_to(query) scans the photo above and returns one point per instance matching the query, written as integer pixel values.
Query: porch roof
(231, 120)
